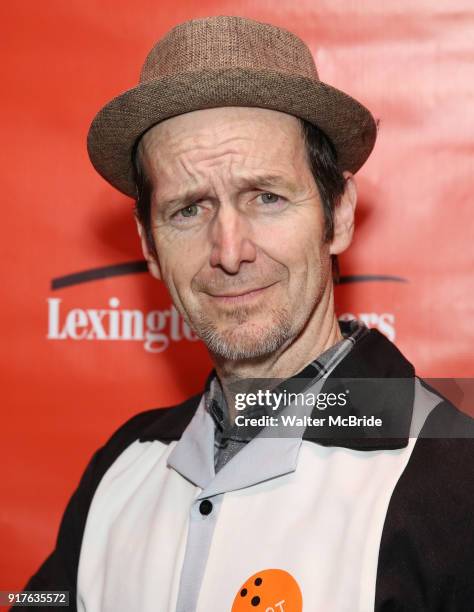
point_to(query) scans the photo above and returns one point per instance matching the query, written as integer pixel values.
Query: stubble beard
(242, 338)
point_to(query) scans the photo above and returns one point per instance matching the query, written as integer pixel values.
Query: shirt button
(205, 507)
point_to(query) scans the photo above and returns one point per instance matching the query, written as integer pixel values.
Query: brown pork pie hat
(226, 61)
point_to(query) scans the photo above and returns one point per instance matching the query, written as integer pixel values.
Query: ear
(151, 259)
(344, 213)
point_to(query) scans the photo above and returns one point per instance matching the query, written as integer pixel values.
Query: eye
(191, 215)
(269, 198)
(188, 211)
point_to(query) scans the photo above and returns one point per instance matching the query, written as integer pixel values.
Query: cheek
(300, 249)
(179, 266)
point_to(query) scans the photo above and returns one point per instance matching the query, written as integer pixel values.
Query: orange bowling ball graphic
(271, 590)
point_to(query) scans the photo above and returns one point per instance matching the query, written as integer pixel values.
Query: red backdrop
(78, 358)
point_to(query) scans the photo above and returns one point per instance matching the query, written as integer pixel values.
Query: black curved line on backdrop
(364, 278)
(129, 267)
(136, 267)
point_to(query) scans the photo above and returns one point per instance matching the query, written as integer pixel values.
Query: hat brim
(116, 129)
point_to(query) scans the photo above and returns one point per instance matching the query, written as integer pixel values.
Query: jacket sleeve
(59, 570)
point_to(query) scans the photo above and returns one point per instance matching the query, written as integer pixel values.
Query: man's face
(238, 227)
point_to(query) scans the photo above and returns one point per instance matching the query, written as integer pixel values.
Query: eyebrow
(258, 180)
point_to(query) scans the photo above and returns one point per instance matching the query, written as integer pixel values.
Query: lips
(239, 295)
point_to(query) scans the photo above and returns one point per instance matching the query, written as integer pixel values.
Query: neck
(319, 334)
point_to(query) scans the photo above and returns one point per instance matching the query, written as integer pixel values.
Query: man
(242, 163)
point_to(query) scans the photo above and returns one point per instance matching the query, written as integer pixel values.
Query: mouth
(239, 297)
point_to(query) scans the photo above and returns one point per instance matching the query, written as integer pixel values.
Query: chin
(247, 340)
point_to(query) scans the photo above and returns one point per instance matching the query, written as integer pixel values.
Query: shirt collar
(369, 369)
(215, 403)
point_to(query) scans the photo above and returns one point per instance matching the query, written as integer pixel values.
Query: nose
(231, 240)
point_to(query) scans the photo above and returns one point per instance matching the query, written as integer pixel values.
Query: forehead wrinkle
(197, 144)
(233, 162)
(208, 137)
(184, 170)
(202, 158)
(199, 140)
(177, 138)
